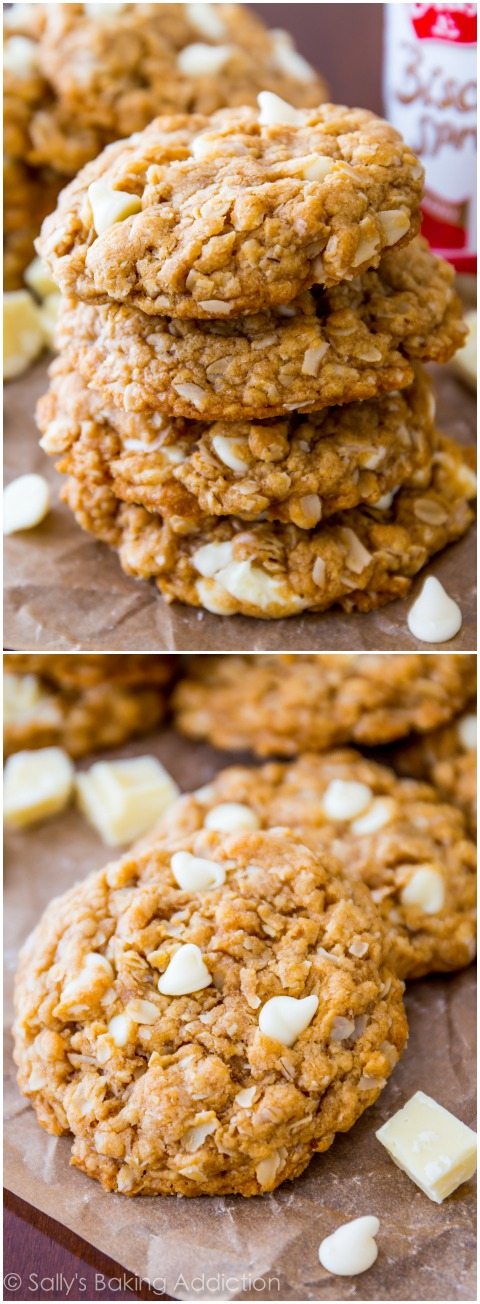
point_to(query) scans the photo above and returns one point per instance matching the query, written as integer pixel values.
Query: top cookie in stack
(248, 266)
(77, 77)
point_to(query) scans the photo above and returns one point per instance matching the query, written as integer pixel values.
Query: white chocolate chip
(193, 874)
(20, 56)
(26, 502)
(195, 1136)
(425, 889)
(380, 813)
(311, 167)
(39, 280)
(231, 817)
(203, 60)
(212, 557)
(141, 1011)
(110, 206)
(395, 223)
(248, 582)
(123, 799)
(225, 450)
(23, 334)
(467, 732)
(246, 1097)
(434, 617)
(289, 61)
(121, 1029)
(36, 785)
(283, 1018)
(212, 597)
(344, 799)
(357, 558)
(187, 972)
(313, 357)
(275, 111)
(206, 19)
(351, 1249)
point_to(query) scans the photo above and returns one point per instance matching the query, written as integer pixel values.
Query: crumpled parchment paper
(266, 1247)
(64, 591)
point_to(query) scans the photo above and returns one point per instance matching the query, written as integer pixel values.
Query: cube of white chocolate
(122, 799)
(432, 1147)
(36, 785)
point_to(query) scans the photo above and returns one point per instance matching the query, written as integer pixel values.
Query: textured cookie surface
(447, 757)
(394, 834)
(236, 213)
(354, 341)
(186, 1094)
(294, 469)
(358, 559)
(92, 75)
(281, 705)
(82, 703)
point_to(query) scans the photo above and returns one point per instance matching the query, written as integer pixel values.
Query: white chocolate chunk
(193, 874)
(109, 206)
(87, 987)
(20, 56)
(395, 223)
(230, 817)
(121, 1029)
(425, 889)
(212, 557)
(23, 336)
(434, 617)
(206, 19)
(344, 799)
(203, 60)
(352, 1248)
(123, 799)
(212, 597)
(39, 280)
(21, 694)
(431, 1146)
(289, 60)
(26, 502)
(283, 1018)
(227, 451)
(380, 813)
(467, 732)
(36, 785)
(312, 167)
(187, 972)
(247, 582)
(275, 111)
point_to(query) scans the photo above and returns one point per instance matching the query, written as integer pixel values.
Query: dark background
(344, 41)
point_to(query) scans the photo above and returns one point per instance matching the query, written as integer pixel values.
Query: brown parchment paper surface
(265, 1247)
(65, 591)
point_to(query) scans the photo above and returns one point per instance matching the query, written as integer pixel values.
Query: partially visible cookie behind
(447, 757)
(185, 1094)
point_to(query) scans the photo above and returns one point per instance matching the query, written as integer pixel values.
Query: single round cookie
(358, 560)
(282, 705)
(145, 1025)
(92, 74)
(394, 834)
(225, 214)
(297, 469)
(354, 341)
(447, 757)
(81, 703)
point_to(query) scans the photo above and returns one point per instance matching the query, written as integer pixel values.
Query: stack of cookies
(77, 76)
(239, 402)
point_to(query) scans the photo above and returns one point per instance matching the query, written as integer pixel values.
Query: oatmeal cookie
(358, 560)
(295, 469)
(447, 757)
(58, 700)
(28, 197)
(234, 213)
(107, 73)
(189, 1094)
(396, 835)
(282, 705)
(354, 341)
